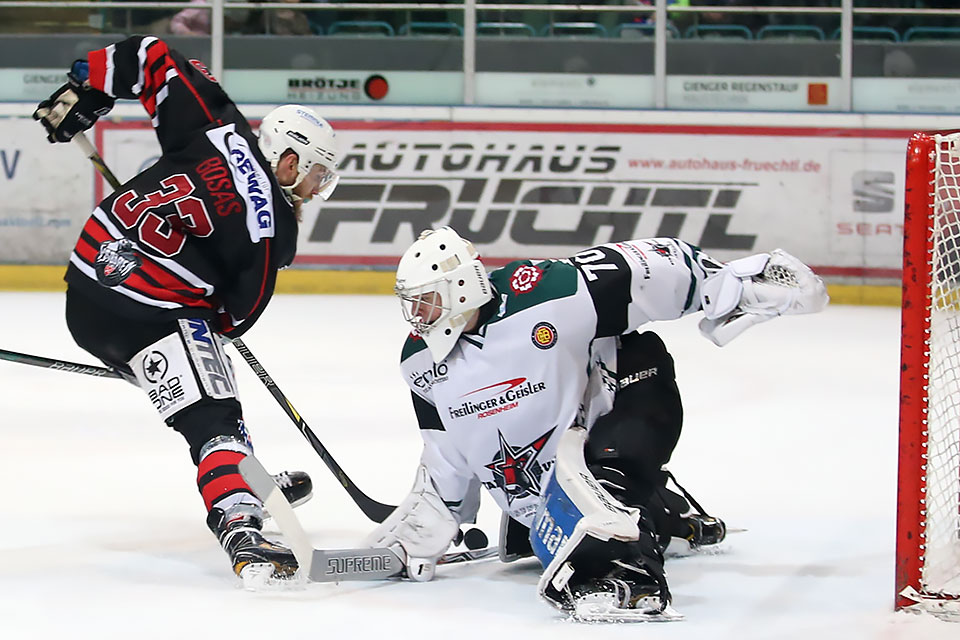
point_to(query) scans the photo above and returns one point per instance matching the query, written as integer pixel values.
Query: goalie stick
(374, 510)
(331, 565)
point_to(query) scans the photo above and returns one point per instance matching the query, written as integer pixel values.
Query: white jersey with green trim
(491, 412)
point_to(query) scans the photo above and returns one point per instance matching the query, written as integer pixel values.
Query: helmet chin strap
(291, 196)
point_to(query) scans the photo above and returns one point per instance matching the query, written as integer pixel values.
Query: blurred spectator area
(592, 24)
(50, 20)
(713, 22)
(281, 21)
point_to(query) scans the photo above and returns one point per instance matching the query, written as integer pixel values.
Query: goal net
(928, 500)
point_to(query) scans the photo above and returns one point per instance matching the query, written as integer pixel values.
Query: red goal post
(928, 494)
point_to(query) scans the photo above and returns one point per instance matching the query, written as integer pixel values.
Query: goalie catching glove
(419, 531)
(74, 107)
(755, 289)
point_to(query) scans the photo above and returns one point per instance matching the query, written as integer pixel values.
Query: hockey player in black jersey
(533, 383)
(188, 251)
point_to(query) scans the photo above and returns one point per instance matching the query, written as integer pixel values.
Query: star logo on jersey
(154, 367)
(525, 278)
(662, 250)
(517, 470)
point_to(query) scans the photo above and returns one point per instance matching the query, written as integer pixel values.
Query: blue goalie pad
(554, 522)
(579, 531)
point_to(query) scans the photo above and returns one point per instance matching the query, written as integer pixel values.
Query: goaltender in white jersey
(533, 383)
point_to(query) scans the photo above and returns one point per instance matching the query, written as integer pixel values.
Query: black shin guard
(628, 447)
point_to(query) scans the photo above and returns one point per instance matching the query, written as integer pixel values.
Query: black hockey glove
(72, 108)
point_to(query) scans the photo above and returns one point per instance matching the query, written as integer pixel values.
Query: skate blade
(263, 577)
(303, 500)
(681, 548)
(602, 607)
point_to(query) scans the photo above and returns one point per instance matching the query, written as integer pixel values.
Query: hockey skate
(611, 581)
(705, 530)
(682, 518)
(297, 487)
(254, 557)
(629, 594)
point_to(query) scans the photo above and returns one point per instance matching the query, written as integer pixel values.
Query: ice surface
(790, 433)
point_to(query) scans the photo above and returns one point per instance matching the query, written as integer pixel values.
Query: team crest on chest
(115, 261)
(516, 470)
(544, 335)
(525, 278)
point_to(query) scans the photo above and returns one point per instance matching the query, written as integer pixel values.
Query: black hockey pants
(115, 339)
(629, 446)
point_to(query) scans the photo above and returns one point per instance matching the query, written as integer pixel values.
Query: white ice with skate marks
(789, 433)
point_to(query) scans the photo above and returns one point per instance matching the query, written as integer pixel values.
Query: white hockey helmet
(300, 128)
(440, 283)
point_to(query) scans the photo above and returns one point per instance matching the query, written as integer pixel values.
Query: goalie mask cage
(928, 494)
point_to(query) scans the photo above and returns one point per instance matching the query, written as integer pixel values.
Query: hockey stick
(469, 555)
(318, 565)
(374, 510)
(94, 156)
(38, 361)
(59, 365)
(332, 565)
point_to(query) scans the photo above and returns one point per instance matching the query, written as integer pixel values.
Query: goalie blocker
(602, 559)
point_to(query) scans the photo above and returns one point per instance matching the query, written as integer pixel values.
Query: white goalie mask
(300, 128)
(440, 283)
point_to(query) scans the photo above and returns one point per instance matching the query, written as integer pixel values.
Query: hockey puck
(475, 539)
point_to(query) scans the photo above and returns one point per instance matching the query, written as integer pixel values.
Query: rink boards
(534, 183)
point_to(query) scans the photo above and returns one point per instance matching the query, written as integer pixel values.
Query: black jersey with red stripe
(203, 231)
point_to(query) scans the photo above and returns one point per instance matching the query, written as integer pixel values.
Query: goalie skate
(630, 597)
(607, 607)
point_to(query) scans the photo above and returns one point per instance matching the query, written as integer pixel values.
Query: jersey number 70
(590, 263)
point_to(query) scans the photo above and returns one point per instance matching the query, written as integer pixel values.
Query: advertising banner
(45, 195)
(906, 95)
(31, 85)
(833, 197)
(753, 93)
(309, 86)
(565, 90)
